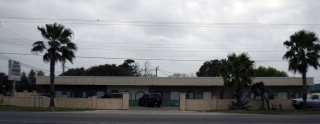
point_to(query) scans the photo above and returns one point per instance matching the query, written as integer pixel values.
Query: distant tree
(75, 72)
(40, 73)
(103, 70)
(179, 75)
(3, 79)
(23, 83)
(147, 70)
(303, 51)
(209, 69)
(237, 73)
(259, 89)
(6, 85)
(269, 72)
(59, 48)
(129, 68)
(32, 80)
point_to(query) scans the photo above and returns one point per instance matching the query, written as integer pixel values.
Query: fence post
(182, 101)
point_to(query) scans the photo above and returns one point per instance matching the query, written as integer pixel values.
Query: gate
(133, 102)
(170, 103)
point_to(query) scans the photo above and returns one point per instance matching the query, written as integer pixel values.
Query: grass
(36, 109)
(309, 111)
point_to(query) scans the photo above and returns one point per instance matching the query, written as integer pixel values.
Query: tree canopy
(262, 71)
(127, 68)
(209, 69)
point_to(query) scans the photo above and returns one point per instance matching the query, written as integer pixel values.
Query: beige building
(170, 88)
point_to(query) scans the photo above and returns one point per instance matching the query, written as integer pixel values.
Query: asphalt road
(150, 116)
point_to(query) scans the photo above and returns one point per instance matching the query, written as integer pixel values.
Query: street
(149, 116)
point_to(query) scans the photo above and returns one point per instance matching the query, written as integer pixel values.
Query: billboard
(14, 70)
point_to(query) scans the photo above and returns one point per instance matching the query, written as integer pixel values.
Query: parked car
(150, 100)
(313, 101)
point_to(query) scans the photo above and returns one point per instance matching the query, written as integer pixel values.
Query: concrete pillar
(183, 101)
(125, 100)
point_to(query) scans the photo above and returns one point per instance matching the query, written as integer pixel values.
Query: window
(252, 96)
(114, 91)
(100, 94)
(68, 93)
(190, 95)
(207, 95)
(58, 93)
(84, 94)
(174, 95)
(282, 95)
(296, 94)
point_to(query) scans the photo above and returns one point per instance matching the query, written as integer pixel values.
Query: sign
(14, 70)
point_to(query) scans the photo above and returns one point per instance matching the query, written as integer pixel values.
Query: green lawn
(15, 108)
(309, 111)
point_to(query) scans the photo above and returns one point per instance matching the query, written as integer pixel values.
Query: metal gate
(170, 103)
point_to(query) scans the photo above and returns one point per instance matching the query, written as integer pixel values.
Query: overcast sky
(168, 30)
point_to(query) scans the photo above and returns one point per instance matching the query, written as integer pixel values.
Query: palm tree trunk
(267, 102)
(262, 101)
(52, 90)
(238, 94)
(304, 90)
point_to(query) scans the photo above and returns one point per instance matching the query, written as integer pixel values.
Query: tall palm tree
(303, 51)
(58, 46)
(237, 71)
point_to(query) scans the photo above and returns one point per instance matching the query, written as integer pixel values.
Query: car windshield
(155, 95)
(312, 96)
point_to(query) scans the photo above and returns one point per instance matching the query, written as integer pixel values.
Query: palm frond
(38, 46)
(46, 57)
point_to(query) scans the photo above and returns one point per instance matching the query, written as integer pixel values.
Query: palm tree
(303, 51)
(58, 49)
(237, 72)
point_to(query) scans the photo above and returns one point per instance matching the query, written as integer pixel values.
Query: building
(194, 87)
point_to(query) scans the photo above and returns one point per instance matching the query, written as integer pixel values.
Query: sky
(176, 35)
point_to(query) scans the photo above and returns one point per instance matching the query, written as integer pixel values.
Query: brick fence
(26, 99)
(222, 104)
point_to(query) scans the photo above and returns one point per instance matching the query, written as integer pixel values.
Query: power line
(123, 58)
(156, 23)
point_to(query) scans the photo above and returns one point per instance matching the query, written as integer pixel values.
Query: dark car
(150, 100)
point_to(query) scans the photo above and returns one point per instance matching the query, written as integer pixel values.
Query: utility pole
(157, 70)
